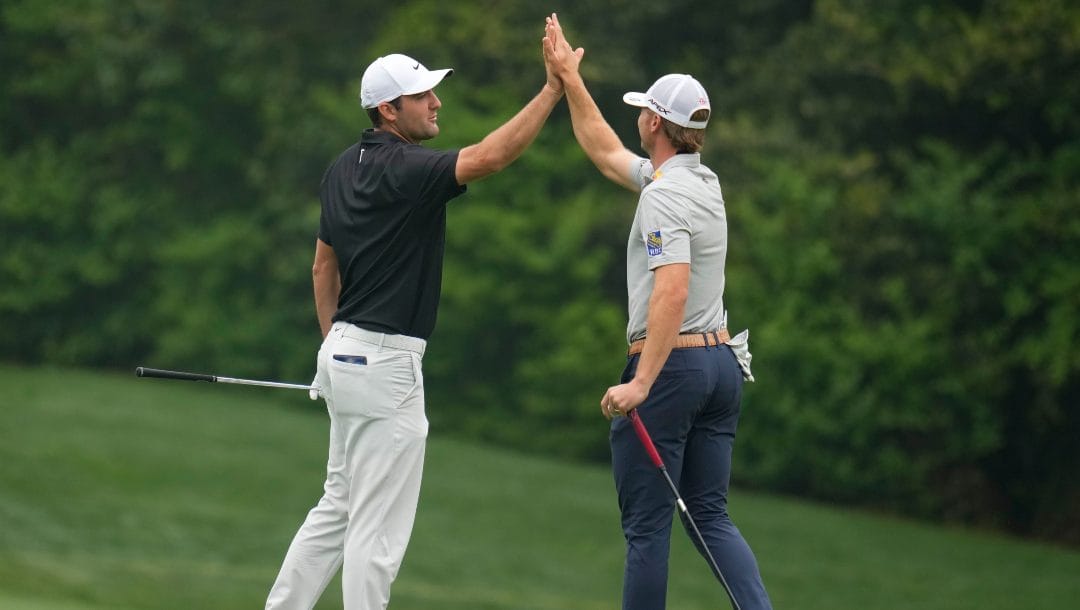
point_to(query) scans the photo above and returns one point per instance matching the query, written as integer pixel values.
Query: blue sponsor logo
(654, 243)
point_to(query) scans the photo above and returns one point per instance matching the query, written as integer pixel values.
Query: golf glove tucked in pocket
(740, 345)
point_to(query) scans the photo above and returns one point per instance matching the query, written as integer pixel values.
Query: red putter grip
(646, 441)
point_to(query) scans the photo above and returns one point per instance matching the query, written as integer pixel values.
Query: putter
(646, 441)
(142, 371)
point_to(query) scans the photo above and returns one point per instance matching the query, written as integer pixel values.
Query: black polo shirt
(384, 213)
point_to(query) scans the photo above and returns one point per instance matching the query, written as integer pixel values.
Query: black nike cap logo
(417, 66)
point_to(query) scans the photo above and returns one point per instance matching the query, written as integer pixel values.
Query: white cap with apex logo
(392, 76)
(675, 97)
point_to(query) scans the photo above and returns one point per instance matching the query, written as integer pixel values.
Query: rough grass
(125, 493)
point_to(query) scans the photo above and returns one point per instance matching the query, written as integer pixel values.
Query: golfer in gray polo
(684, 373)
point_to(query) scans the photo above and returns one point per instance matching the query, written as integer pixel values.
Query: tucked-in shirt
(384, 214)
(680, 218)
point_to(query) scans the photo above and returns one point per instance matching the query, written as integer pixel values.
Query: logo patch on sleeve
(654, 243)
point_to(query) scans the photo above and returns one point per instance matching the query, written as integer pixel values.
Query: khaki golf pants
(374, 390)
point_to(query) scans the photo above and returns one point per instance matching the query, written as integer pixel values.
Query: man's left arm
(671, 286)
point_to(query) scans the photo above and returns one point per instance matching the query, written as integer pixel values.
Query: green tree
(901, 184)
(912, 187)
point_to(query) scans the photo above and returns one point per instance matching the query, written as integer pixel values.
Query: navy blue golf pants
(691, 414)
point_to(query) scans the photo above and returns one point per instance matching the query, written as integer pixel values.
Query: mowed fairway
(118, 492)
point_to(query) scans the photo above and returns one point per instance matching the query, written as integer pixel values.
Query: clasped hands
(560, 59)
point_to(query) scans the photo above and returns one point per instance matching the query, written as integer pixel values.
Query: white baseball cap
(392, 76)
(675, 97)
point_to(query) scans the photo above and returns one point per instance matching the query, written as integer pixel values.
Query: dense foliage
(902, 179)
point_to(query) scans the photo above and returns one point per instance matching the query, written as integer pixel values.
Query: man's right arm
(593, 133)
(326, 278)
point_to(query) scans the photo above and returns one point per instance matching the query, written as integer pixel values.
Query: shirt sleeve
(435, 176)
(665, 228)
(641, 171)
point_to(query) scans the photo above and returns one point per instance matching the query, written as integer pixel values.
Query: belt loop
(705, 337)
(382, 339)
(716, 335)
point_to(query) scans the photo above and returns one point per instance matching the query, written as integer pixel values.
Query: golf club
(646, 441)
(142, 371)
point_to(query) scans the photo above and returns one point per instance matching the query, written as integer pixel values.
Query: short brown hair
(684, 139)
(376, 116)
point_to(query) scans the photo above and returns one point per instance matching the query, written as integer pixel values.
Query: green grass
(124, 493)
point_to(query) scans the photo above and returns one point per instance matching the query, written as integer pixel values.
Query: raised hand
(560, 59)
(554, 81)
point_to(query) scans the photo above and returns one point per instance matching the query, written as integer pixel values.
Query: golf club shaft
(650, 448)
(184, 376)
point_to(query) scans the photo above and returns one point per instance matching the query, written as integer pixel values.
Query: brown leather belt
(707, 339)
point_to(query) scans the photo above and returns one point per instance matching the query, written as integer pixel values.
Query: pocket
(393, 377)
(372, 384)
(681, 376)
(350, 359)
(418, 371)
(680, 386)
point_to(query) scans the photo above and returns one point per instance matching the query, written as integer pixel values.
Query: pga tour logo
(654, 243)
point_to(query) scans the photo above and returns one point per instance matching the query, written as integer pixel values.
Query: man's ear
(655, 122)
(388, 112)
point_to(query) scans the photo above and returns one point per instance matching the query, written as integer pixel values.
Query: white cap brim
(636, 98)
(429, 81)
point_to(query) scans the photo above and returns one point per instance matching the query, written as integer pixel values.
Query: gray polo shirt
(680, 219)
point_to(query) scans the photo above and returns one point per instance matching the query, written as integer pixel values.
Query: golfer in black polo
(377, 278)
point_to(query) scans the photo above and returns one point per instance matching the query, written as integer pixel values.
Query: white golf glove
(740, 344)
